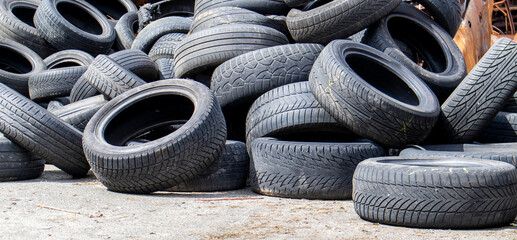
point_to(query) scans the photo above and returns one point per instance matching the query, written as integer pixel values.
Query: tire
(166, 67)
(498, 152)
(82, 89)
(53, 83)
(228, 172)
(113, 10)
(407, 27)
(511, 104)
(16, 24)
(110, 78)
(296, 3)
(501, 129)
(233, 15)
(443, 193)
(17, 163)
(211, 47)
(40, 132)
(126, 29)
(446, 13)
(337, 19)
(394, 112)
(57, 103)
(146, 38)
(68, 58)
(86, 28)
(184, 153)
(311, 170)
(290, 110)
(266, 7)
(166, 8)
(17, 64)
(480, 96)
(165, 47)
(79, 113)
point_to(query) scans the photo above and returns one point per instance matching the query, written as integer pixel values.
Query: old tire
(68, 58)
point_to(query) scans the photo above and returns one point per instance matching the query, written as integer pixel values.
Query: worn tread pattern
(79, 113)
(309, 170)
(42, 133)
(436, 196)
(268, 7)
(165, 47)
(501, 129)
(17, 163)
(70, 57)
(338, 19)
(146, 38)
(124, 29)
(54, 83)
(511, 104)
(166, 67)
(480, 96)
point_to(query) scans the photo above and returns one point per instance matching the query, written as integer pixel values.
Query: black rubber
(296, 3)
(480, 96)
(16, 23)
(337, 19)
(228, 172)
(57, 103)
(373, 95)
(146, 38)
(17, 163)
(166, 67)
(113, 9)
(126, 30)
(230, 15)
(209, 48)
(266, 7)
(68, 58)
(184, 153)
(165, 8)
(17, 64)
(501, 129)
(312, 170)
(42, 133)
(53, 83)
(448, 193)
(79, 113)
(511, 104)
(445, 12)
(291, 110)
(110, 78)
(86, 28)
(499, 152)
(415, 40)
(165, 47)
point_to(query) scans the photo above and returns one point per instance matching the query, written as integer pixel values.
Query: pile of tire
(296, 98)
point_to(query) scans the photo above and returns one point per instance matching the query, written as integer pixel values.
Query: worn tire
(501, 129)
(166, 67)
(79, 113)
(511, 104)
(68, 58)
(337, 19)
(113, 9)
(185, 152)
(266, 7)
(165, 8)
(16, 163)
(480, 96)
(407, 27)
(447, 193)
(312, 170)
(53, 83)
(373, 95)
(126, 30)
(444, 12)
(165, 47)
(296, 3)
(146, 38)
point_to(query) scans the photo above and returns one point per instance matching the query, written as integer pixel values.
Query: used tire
(146, 38)
(435, 57)
(501, 129)
(185, 152)
(68, 58)
(126, 29)
(113, 9)
(166, 67)
(480, 96)
(435, 192)
(337, 19)
(165, 47)
(42, 133)
(53, 83)
(511, 104)
(86, 28)
(296, 3)
(372, 94)
(444, 12)
(17, 163)
(166, 8)
(267, 7)
(79, 113)
(312, 170)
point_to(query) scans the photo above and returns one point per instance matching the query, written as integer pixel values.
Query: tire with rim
(16, 23)
(68, 58)
(435, 57)
(444, 12)
(447, 193)
(337, 19)
(86, 28)
(373, 95)
(312, 170)
(185, 152)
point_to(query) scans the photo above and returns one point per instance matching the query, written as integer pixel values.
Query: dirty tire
(42, 133)
(501, 129)
(312, 170)
(17, 163)
(16, 23)
(146, 38)
(79, 113)
(57, 103)
(53, 83)
(166, 67)
(445, 12)
(456, 193)
(68, 58)
(228, 172)
(337, 19)
(17, 64)
(165, 8)
(209, 48)
(185, 153)
(86, 28)
(410, 36)
(266, 7)
(126, 30)
(344, 80)
(165, 47)
(480, 96)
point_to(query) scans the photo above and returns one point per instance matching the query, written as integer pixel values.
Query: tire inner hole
(113, 9)
(25, 14)
(65, 64)
(79, 17)
(382, 78)
(14, 62)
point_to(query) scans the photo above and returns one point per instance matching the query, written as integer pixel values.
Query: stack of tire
(302, 99)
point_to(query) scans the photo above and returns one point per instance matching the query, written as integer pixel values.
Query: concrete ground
(58, 207)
